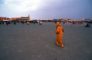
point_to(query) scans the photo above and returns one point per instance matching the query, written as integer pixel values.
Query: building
(23, 18)
(4, 18)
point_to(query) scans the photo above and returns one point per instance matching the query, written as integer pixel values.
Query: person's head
(58, 23)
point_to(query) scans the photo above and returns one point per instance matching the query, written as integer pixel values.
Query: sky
(46, 9)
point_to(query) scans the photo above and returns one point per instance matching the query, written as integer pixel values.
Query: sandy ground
(37, 42)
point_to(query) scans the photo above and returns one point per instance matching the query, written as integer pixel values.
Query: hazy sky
(44, 9)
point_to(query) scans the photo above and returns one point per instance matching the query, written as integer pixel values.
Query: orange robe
(59, 35)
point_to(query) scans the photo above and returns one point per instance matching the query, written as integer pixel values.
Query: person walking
(59, 34)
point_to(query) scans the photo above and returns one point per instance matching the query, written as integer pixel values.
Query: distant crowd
(40, 22)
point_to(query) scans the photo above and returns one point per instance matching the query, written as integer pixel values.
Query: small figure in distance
(59, 34)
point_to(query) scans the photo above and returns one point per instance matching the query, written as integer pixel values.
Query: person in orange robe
(59, 34)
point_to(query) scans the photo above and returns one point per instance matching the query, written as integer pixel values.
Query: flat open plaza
(37, 42)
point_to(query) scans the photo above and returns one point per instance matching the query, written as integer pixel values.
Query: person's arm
(57, 30)
(62, 29)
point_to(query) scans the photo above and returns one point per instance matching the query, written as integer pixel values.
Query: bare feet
(62, 46)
